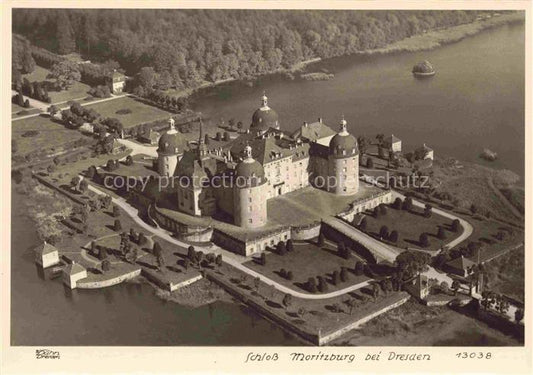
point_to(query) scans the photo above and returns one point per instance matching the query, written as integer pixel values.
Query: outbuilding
(72, 273)
(46, 255)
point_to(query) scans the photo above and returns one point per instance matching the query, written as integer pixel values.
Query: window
(250, 208)
(250, 221)
(250, 199)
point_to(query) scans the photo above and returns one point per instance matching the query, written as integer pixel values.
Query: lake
(475, 100)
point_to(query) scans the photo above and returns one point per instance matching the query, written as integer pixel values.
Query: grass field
(410, 225)
(76, 91)
(140, 113)
(305, 261)
(51, 134)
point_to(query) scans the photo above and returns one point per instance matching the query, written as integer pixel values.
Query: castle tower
(343, 162)
(249, 192)
(168, 151)
(264, 117)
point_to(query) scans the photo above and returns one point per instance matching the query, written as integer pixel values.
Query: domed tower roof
(249, 170)
(264, 117)
(170, 142)
(343, 144)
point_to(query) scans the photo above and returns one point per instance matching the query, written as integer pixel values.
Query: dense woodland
(188, 47)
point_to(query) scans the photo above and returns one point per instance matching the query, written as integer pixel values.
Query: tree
(381, 152)
(407, 204)
(455, 286)
(74, 182)
(393, 237)
(160, 262)
(428, 210)
(257, 283)
(322, 285)
(375, 291)
(311, 285)
(66, 42)
(351, 304)
(218, 260)
(335, 277)
(106, 265)
(142, 239)
(382, 209)
(84, 186)
(384, 232)
(424, 240)
(369, 163)
(102, 254)
(359, 268)
(287, 300)
(344, 274)
(290, 245)
(411, 263)
(156, 249)
(473, 209)
(362, 143)
(116, 211)
(65, 73)
(146, 78)
(441, 234)
(290, 275)
(129, 160)
(456, 225)
(280, 248)
(263, 259)
(191, 254)
(239, 125)
(117, 227)
(380, 137)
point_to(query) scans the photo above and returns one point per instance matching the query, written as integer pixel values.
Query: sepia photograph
(267, 178)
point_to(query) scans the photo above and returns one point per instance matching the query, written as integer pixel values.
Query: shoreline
(416, 43)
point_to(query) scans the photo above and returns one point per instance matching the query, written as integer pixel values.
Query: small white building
(393, 143)
(118, 81)
(46, 255)
(72, 273)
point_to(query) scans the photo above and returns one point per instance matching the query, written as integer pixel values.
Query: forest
(185, 48)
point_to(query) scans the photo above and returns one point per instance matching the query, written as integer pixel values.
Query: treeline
(188, 47)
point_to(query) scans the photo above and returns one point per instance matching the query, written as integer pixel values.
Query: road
(379, 248)
(44, 106)
(232, 259)
(138, 148)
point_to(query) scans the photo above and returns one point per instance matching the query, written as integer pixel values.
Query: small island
(489, 155)
(423, 69)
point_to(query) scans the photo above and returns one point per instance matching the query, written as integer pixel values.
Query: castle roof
(264, 117)
(73, 268)
(343, 144)
(314, 131)
(391, 139)
(460, 263)
(171, 143)
(45, 248)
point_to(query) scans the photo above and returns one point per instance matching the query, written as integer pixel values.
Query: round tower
(264, 117)
(343, 163)
(168, 151)
(249, 191)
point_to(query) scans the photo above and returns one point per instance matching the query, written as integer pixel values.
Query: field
(506, 274)
(305, 261)
(51, 134)
(410, 225)
(140, 113)
(75, 92)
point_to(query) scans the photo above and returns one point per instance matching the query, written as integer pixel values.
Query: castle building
(262, 164)
(170, 148)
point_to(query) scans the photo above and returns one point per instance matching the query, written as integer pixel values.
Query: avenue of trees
(183, 48)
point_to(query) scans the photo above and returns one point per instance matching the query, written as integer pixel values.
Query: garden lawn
(305, 261)
(76, 92)
(410, 225)
(140, 112)
(51, 134)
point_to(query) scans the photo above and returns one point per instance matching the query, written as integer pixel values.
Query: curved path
(468, 229)
(230, 258)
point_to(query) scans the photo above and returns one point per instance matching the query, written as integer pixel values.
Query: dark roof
(392, 139)
(460, 263)
(252, 171)
(264, 118)
(171, 143)
(343, 145)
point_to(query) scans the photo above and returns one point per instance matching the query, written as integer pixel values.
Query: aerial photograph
(247, 177)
